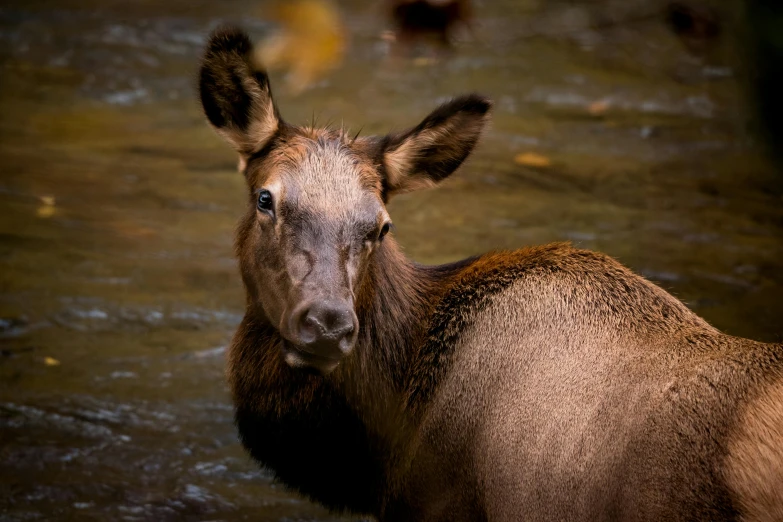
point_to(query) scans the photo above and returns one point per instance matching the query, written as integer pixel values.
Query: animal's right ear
(235, 95)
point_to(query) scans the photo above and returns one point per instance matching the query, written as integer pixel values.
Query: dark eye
(384, 230)
(264, 202)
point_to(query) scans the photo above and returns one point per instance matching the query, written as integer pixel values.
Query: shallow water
(117, 204)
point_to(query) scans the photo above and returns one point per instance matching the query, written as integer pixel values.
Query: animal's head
(317, 199)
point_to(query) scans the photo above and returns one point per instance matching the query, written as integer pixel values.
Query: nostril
(335, 321)
(326, 324)
(346, 338)
(310, 321)
(342, 334)
(329, 319)
(308, 328)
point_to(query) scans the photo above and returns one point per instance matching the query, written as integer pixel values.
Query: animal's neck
(337, 438)
(393, 307)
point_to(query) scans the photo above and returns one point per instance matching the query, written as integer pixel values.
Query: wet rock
(210, 353)
(13, 326)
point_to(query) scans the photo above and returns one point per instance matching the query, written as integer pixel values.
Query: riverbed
(119, 287)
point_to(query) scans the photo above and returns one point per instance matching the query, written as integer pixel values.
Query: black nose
(326, 328)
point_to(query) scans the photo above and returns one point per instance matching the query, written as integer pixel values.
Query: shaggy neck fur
(333, 438)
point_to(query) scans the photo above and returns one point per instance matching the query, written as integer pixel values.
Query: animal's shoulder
(555, 273)
(551, 283)
(496, 271)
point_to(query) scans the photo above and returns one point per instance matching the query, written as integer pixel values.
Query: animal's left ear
(431, 151)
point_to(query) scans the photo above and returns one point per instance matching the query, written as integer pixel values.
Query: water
(119, 291)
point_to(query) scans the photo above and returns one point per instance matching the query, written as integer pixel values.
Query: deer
(546, 383)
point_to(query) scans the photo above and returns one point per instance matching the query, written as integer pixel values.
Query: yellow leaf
(423, 61)
(47, 208)
(45, 211)
(531, 159)
(51, 361)
(310, 43)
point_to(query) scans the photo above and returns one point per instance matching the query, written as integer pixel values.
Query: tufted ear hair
(235, 94)
(436, 147)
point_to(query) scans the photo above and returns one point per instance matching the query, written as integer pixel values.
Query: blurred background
(647, 129)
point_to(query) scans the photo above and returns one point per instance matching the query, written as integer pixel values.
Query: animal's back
(578, 390)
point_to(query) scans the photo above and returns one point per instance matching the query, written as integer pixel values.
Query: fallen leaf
(310, 43)
(599, 107)
(531, 159)
(45, 211)
(51, 361)
(47, 208)
(423, 61)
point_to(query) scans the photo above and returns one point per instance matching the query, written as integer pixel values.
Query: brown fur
(753, 468)
(548, 383)
(421, 18)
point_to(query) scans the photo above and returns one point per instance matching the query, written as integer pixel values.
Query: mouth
(299, 358)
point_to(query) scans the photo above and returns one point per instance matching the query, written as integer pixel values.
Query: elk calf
(547, 383)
